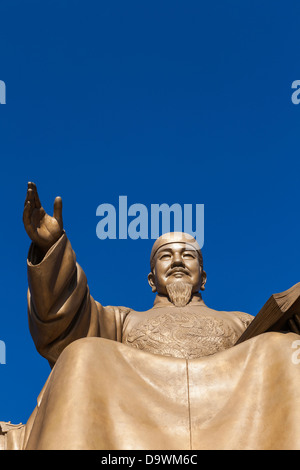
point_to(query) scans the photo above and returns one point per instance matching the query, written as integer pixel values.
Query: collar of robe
(163, 301)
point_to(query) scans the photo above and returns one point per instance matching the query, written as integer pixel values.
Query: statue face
(176, 262)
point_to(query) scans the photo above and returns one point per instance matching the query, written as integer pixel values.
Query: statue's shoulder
(123, 310)
(245, 318)
(117, 310)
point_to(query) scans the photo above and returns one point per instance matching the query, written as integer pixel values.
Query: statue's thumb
(57, 211)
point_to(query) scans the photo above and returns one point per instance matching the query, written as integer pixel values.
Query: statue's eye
(188, 255)
(165, 256)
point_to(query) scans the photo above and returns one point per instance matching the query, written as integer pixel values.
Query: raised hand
(42, 229)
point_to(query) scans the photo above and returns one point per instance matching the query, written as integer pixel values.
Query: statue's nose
(177, 260)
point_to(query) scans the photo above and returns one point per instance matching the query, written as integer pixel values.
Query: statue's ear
(151, 281)
(204, 279)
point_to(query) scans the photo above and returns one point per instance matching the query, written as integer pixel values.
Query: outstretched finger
(37, 201)
(57, 211)
(27, 213)
(30, 198)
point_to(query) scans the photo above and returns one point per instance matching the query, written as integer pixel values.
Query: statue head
(176, 267)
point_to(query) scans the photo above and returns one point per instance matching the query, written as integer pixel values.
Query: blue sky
(164, 102)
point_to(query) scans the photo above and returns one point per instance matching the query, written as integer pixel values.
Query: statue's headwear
(175, 237)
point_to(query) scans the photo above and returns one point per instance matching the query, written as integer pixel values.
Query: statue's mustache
(178, 270)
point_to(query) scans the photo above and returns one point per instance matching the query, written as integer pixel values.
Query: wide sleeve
(60, 307)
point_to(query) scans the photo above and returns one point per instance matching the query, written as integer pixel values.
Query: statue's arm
(60, 307)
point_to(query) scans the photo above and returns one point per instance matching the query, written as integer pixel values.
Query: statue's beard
(179, 293)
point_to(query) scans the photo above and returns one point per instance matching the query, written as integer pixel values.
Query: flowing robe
(166, 378)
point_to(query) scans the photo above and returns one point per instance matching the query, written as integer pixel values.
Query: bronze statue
(171, 377)
(176, 276)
